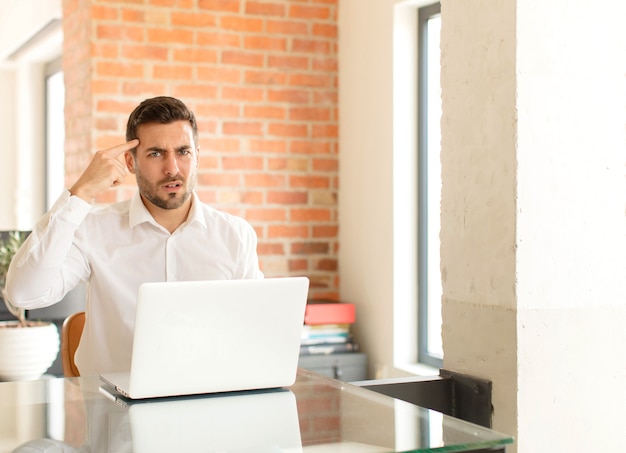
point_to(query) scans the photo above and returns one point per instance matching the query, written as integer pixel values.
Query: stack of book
(327, 328)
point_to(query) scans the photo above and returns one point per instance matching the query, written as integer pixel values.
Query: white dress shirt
(115, 249)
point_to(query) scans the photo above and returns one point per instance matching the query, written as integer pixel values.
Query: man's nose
(171, 164)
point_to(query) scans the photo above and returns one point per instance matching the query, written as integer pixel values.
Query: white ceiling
(30, 30)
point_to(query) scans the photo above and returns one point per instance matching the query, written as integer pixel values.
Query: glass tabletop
(315, 415)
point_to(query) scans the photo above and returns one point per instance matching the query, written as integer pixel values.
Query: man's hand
(104, 171)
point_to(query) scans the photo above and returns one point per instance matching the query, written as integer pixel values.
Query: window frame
(424, 13)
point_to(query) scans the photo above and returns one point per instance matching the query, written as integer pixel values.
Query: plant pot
(26, 352)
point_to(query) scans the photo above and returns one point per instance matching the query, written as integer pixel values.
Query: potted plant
(27, 348)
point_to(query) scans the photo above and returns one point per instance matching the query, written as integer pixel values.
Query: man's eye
(154, 154)
(184, 152)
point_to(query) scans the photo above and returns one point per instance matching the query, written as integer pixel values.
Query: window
(430, 348)
(55, 132)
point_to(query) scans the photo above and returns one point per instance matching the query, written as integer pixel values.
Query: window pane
(434, 188)
(55, 137)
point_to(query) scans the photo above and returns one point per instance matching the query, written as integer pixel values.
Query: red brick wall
(262, 78)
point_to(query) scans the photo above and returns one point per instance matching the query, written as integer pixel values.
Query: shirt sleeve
(250, 259)
(48, 264)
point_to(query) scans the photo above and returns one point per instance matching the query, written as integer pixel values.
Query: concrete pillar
(533, 215)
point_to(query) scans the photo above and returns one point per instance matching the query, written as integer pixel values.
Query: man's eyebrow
(158, 148)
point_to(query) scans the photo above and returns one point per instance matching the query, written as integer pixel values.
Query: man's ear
(197, 157)
(130, 161)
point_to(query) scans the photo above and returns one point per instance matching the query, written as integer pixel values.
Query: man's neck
(170, 219)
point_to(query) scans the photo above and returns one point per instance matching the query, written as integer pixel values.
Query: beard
(171, 201)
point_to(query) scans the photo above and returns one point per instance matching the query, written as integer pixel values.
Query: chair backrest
(70, 337)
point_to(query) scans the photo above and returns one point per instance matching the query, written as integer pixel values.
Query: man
(164, 233)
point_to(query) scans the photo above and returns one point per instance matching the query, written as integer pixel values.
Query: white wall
(7, 149)
(377, 157)
(537, 303)
(28, 39)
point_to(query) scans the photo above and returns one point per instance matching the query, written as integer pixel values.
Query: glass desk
(315, 415)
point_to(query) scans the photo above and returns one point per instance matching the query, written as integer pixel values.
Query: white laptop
(214, 336)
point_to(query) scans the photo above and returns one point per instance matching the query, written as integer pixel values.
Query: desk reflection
(315, 415)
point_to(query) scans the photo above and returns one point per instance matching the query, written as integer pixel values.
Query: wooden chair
(70, 337)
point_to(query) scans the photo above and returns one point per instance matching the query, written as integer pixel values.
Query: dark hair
(161, 109)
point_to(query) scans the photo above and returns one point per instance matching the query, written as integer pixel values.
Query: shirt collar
(138, 213)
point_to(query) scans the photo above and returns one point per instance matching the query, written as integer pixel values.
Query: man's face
(165, 163)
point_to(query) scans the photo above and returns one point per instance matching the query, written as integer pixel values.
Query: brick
(326, 264)
(287, 197)
(232, 6)
(311, 80)
(309, 114)
(172, 72)
(224, 144)
(291, 164)
(310, 46)
(309, 248)
(323, 197)
(262, 111)
(325, 64)
(287, 62)
(270, 248)
(142, 88)
(105, 87)
(219, 110)
(325, 231)
(251, 197)
(195, 55)
(266, 215)
(102, 12)
(265, 78)
(135, 15)
(290, 96)
(219, 179)
(309, 12)
(242, 58)
(269, 146)
(242, 163)
(312, 182)
(220, 39)
(264, 180)
(145, 52)
(309, 215)
(242, 128)
(195, 90)
(265, 9)
(161, 35)
(182, 4)
(287, 27)
(242, 94)
(241, 23)
(229, 197)
(259, 42)
(217, 74)
(326, 97)
(325, 30)
(106, 124)
(112, 106)
(330, 165)
(124, 33)
(106, 141)
(207, 160)
(288, 130)
(193, 19)
(298, 265)
(325, 130)
(287, 231)
(309, 147)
